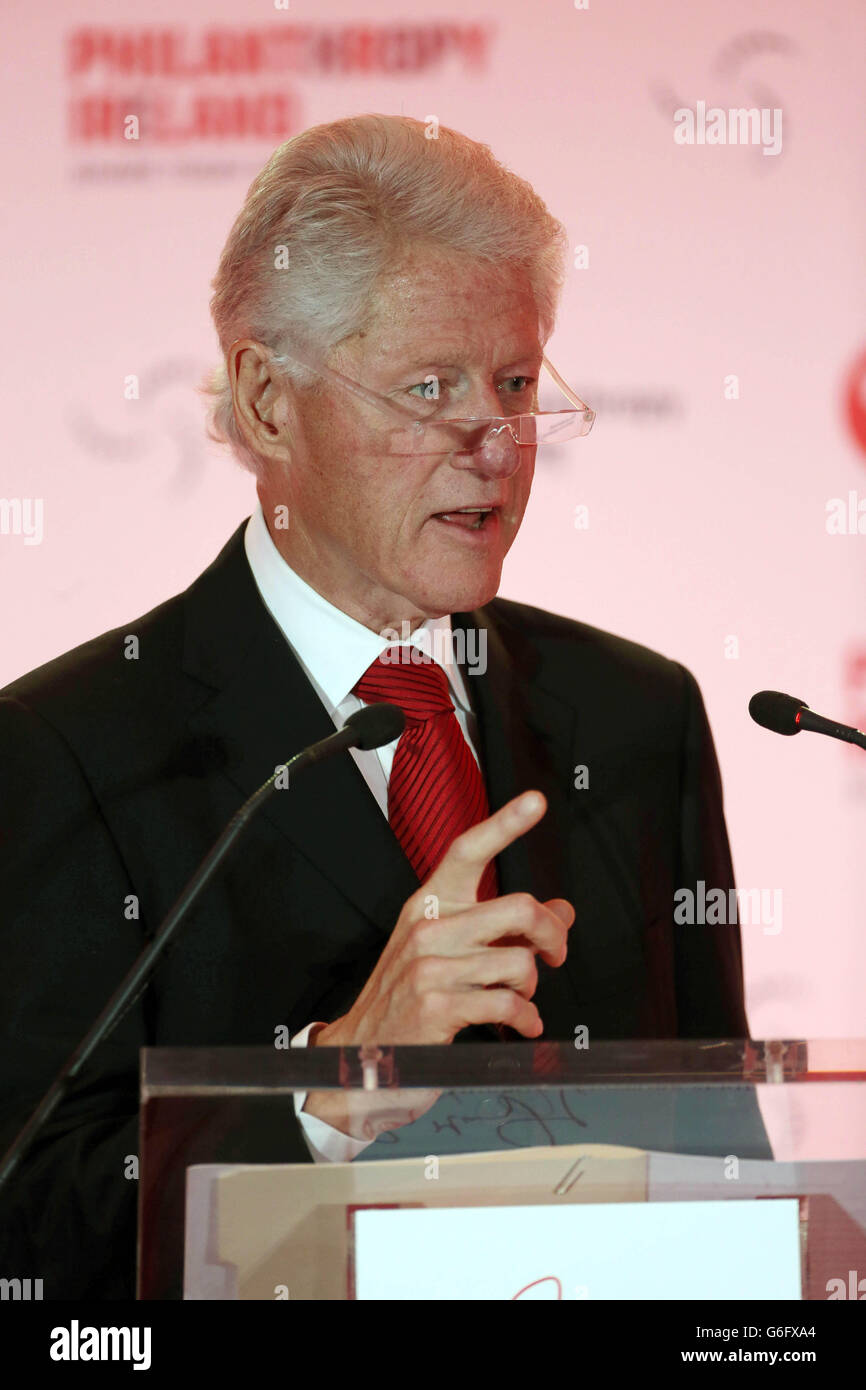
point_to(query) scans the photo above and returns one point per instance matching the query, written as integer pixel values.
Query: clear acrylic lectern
(617, 1136)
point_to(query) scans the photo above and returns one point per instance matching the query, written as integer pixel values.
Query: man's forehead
(447, 309)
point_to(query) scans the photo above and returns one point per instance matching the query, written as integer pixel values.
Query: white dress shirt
(334, 651)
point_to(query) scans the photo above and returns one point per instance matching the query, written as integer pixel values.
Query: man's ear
(262, 401)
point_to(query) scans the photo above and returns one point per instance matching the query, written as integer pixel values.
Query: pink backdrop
(707, 501)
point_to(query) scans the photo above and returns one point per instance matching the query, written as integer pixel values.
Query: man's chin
(458, 598)
(445, 583)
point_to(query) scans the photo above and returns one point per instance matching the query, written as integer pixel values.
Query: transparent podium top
(667, 1061)
(259, 1163)
(784, 1099)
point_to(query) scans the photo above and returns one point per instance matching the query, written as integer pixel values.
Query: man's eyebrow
(451, 359)
(416, 364)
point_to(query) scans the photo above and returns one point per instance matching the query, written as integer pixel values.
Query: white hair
(329, 213)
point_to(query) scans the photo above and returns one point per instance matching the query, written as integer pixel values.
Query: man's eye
(428, 390)
(525, 384)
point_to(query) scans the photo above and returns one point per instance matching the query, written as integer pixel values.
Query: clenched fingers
(516, 918)
(511, 966)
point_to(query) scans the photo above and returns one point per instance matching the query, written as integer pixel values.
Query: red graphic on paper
(546, 1279)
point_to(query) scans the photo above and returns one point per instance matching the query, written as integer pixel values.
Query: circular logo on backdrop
(854, 401)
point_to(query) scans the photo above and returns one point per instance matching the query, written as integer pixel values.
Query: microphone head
(777, 712)
(376, 725)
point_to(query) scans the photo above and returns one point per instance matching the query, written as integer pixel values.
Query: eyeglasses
(412, 434)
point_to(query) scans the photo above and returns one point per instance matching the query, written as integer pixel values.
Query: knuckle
(419, 937)
(430, 1007)
(525, 908)
(513, 1008)
(460, 850)
(421, 973)
(413, 908)
(528, 968)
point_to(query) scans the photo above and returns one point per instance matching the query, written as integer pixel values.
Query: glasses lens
(559, 426)
(467, 436)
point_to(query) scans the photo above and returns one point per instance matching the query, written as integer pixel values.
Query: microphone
(783, 714)
(376, 725)
(371, 727)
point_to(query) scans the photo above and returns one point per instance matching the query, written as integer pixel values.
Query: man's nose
(492, 450)
(500, 451)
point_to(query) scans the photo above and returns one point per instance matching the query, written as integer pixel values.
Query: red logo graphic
(854, 402)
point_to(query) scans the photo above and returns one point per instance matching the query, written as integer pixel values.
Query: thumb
(563, 910)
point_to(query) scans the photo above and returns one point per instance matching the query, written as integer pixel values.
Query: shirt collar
(333, 648)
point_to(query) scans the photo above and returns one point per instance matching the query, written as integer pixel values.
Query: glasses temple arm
(563, 386)
(381, 402)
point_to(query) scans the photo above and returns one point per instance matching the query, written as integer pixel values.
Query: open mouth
(468, 518)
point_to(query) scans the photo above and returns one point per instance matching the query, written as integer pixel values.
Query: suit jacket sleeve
(68, 1212)
(708, 957)
(69, 932)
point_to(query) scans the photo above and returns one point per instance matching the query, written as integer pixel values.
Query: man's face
(377, 534)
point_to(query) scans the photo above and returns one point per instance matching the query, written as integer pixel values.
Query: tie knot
(407, 677)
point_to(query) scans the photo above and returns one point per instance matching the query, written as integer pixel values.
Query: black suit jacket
(117, 773)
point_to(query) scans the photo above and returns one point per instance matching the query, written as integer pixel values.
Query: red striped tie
(435, 791)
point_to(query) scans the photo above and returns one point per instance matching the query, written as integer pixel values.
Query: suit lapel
(262, 709)
(526, 741)
(526, 738)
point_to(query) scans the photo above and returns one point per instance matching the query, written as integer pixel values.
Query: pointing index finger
(457, 877)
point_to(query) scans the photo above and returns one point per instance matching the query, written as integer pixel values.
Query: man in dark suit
(123, 760)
